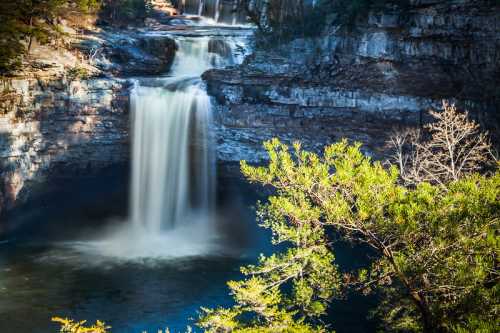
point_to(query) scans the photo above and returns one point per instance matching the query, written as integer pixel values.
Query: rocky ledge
(129, 53)
(362, 83)
(49, 126)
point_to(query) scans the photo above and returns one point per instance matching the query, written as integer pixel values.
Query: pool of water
(42, 280)
(52, 265)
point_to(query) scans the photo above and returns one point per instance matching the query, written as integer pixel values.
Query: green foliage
(71, 326)
(78, 73)
(290, 290)
(88, 6)
(23, 21)
(438, 246)
(11, 34)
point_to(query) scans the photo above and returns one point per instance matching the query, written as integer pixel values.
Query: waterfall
(165, 190)
(221, 11)
(217, 10)
(234, 10)
(200, 7)
(172, 187)
(173, 164)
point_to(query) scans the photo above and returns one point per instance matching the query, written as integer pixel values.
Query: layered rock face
(365, 82)
(362, 84)
(52, 126)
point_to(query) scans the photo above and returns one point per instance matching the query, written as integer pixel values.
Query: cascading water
(172, 205)
(172, 174)
(172, 191)
(164, 192)
(227, 11)
(217, 10)
(200, 7)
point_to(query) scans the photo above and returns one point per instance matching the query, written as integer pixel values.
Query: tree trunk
(30, 43)
(419, 301)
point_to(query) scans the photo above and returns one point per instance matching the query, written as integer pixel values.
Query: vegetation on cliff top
(25, 21)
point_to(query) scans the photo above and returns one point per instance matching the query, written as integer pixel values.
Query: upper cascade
(221, 11)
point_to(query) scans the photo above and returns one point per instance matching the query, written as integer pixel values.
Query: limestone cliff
(361, 83)
(48, 126)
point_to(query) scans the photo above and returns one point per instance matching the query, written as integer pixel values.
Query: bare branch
(455, 146)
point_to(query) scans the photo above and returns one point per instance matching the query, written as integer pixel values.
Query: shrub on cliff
(21, 23)
(71, 326)
(10, 38)
(24, 21)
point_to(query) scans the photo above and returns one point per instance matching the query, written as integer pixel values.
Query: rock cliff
(67, 115)
(364, 82)
(49, 126)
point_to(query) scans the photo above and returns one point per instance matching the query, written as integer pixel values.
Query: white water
(200, 7)
(173, 163)
(217, 10)
(165, 190)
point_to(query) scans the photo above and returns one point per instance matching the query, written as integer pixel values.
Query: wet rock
(127, 54)
(220, 47)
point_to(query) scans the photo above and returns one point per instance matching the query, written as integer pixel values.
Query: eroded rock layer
(51, 126)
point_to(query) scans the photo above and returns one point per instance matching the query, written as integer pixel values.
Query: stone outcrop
(52, 125)
(362, 83)
(132, 53)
